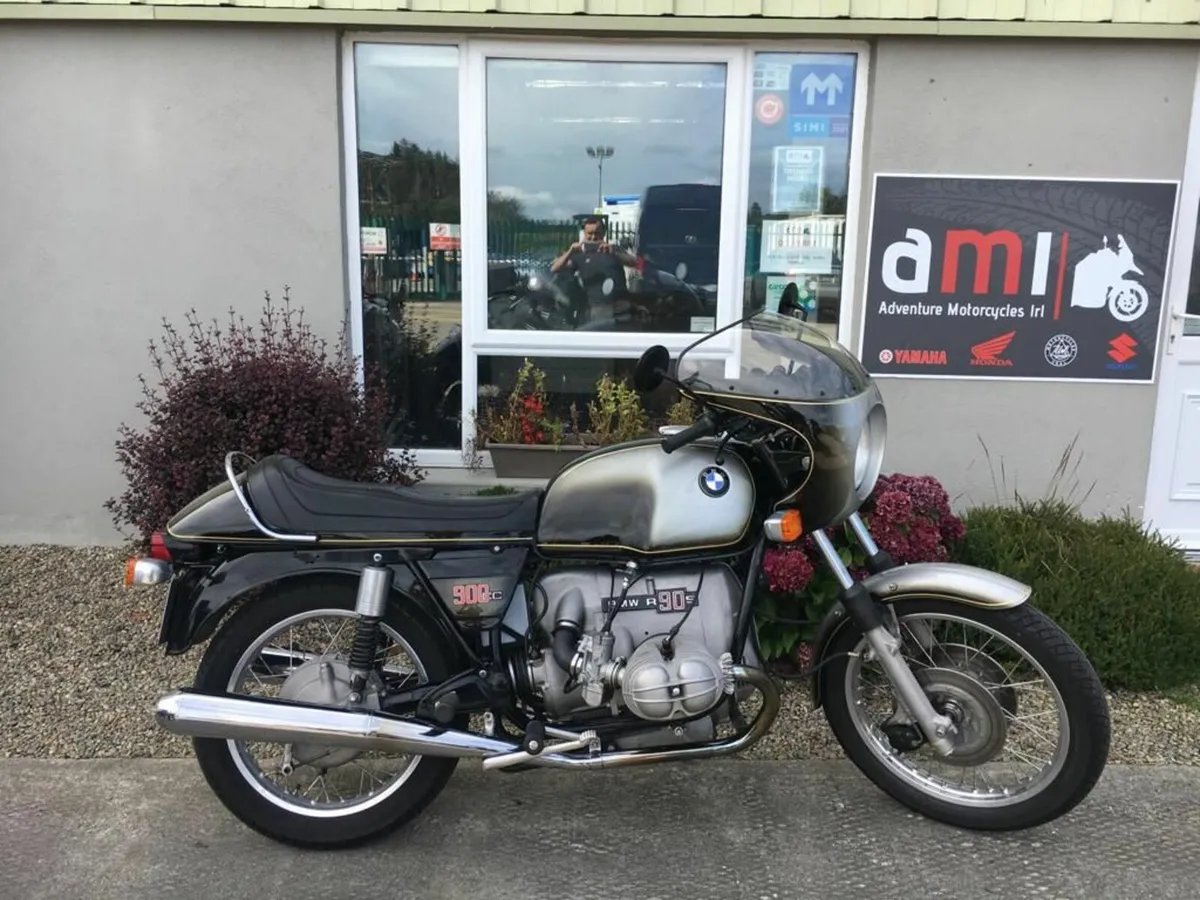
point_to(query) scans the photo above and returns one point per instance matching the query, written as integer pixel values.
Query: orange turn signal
(790, 526)
(130, 568)
(784, 527)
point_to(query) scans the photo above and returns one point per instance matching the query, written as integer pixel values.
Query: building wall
(1042, 108)
(145, 171)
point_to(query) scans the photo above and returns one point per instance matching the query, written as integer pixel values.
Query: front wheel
(1032, 720)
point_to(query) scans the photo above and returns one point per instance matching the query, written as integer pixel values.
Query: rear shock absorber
(373, 587)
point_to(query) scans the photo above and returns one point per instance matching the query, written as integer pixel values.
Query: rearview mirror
(651, 369)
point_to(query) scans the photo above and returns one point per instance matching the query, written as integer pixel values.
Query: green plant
(523, 419)
(616, 415)
(495, 490)
(1124, 594)
(277, 390)
(682, 412)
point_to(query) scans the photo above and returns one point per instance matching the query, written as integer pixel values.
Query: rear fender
(199, 599)
(956, 583)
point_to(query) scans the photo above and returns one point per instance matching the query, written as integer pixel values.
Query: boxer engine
(655, 644)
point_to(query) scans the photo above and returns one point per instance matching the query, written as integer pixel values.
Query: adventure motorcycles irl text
(365, 638)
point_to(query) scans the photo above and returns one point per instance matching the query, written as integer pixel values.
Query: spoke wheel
(1031, 720)
(293, 643)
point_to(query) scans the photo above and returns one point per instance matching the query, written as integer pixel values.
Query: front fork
(868, 616)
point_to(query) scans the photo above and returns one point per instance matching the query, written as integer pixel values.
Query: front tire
(250, 793)
(970, 684)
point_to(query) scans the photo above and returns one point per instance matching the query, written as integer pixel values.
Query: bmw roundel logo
(714, 481)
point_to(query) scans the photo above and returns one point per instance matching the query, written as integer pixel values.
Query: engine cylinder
(688, 684)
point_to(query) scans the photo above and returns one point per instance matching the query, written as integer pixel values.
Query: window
(570, 382)
(800, 141)
(600, 174)
(406, 105)
(574, 202)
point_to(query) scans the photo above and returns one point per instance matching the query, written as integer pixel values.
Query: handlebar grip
(702, 427)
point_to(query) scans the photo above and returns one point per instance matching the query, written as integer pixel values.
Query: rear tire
(231, 785)
(1073, 676)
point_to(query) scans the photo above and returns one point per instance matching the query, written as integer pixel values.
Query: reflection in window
(799, 176)
(408, 194)
(604, 195)
(570, 386)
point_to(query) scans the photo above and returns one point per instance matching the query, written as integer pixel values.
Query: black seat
(289, 497)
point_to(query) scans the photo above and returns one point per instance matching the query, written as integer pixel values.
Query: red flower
(788, 570)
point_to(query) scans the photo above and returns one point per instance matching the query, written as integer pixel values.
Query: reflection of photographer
(579, 254)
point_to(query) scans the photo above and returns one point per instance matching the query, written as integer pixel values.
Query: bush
(908, 515)
(1125, 595)
(277, 391)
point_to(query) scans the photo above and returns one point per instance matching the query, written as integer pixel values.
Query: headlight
(868, 455)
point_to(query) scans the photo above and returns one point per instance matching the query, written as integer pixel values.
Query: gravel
(80, 670)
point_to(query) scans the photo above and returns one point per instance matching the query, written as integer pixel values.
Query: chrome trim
(151, 571)
(950, 581)
(821, 539)
(773, 527)
(249, 510)
(862, 534)
(231, 717)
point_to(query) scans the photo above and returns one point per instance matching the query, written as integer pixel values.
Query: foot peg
(570, 741)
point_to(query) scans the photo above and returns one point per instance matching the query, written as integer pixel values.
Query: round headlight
(862, 455)
(868, 455)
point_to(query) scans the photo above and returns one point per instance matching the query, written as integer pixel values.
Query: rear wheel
(294, 644)
(1033, 723)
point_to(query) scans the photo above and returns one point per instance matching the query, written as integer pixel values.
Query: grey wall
(144, 171)
(1043, 108)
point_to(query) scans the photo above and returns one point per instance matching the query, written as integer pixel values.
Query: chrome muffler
(229, 717)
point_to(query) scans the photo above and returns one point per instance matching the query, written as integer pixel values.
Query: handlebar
(702, 427)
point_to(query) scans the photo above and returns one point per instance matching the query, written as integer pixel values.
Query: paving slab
(134, 829)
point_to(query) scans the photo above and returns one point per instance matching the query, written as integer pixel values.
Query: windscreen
(775, 358)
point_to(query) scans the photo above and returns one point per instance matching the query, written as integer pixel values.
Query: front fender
(954, 582)
(197, 602)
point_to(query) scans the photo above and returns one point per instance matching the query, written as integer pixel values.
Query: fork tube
(877, 560)
(866, 614)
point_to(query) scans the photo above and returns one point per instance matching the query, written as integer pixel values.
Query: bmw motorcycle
(364, 639)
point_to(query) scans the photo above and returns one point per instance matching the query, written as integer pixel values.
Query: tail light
(158, 547)
(640, 264)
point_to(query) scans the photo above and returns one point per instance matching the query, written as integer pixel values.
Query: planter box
(533, 460)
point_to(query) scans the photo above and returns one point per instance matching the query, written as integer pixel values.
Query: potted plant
(525, 440)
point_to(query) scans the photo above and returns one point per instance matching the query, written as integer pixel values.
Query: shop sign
(444, 236)
(373, 240)
(1016, 278)
(797, 179)
(795, 247)
(820, 99)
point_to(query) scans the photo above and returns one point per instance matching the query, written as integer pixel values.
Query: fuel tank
(635, 497)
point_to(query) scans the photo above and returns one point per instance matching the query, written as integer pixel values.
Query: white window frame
(479, 340)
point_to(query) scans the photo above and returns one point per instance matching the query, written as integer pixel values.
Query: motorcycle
(607, 619)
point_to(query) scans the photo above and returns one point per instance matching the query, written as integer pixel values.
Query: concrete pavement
(142, 829)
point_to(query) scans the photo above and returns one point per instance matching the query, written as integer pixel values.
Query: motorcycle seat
(290, 497)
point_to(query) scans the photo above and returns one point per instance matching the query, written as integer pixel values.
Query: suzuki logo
(988, 353)
(1122, 349)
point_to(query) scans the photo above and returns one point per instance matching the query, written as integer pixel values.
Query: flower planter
(533, 460)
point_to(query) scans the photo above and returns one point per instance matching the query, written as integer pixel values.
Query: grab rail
(249, 510)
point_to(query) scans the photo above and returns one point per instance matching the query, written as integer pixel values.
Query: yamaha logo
(714, 481)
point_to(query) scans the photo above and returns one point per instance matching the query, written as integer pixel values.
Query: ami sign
(1015, 278)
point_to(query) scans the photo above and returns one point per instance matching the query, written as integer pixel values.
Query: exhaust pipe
(229, 717)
